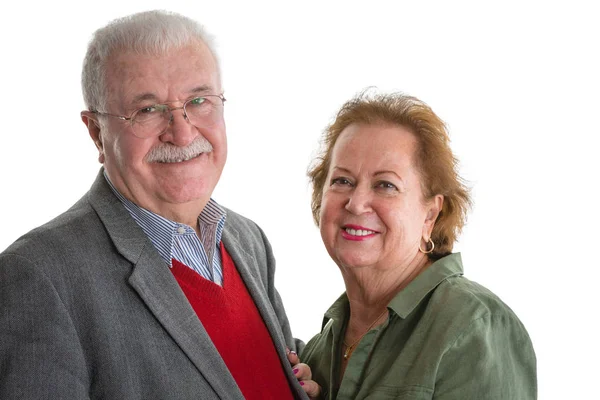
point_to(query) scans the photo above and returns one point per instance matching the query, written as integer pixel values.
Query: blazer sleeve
(492, 359)
(40, 354)
(294, 344)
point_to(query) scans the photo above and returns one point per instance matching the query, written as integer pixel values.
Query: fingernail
(295, 371)
(293, 352)
(301, 383)
(287, 350)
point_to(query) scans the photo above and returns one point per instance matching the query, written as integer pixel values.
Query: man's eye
(197, 101)
(147, 110)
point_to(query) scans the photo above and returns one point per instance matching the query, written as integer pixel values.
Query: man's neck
(184, 213)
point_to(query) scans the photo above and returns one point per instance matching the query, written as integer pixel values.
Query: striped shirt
(180, 241)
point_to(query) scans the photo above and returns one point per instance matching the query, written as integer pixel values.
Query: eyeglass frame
(167, 104)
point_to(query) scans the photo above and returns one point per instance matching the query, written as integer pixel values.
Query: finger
(293, 358)
(312, 389)
(302, 372)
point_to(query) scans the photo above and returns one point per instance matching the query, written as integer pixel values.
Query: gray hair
(150, 32)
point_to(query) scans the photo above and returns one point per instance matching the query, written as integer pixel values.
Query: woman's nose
(359, 201)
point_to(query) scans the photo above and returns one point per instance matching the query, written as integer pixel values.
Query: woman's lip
(353, 234)
(356, 227)
(357, 232)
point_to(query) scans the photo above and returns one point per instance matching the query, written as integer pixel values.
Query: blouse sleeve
(492, 359)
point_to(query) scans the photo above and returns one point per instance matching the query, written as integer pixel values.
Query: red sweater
(237, 330)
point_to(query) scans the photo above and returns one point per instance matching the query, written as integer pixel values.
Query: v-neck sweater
(237, 330)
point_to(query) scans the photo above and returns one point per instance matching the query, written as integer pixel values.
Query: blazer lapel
(248, 268)
(251, 271)
(157, 287)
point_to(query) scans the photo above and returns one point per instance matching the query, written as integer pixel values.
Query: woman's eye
(340, 182)
(386, 185)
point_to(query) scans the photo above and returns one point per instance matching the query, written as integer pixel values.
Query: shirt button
(181, 230)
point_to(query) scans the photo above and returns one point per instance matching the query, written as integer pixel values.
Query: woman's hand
(304, 375)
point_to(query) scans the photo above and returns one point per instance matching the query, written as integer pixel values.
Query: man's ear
(93, 125)
(434, 208)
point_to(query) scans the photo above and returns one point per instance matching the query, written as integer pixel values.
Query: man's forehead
(195, 55)
(194, 91)
(135, 78)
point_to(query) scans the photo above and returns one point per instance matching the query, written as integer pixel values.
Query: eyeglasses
(153, 120)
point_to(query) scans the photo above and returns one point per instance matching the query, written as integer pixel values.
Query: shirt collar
(408, 298)
(424, 283)
(338, 310)
(161, 231)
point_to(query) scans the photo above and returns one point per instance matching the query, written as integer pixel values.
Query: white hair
(149, 33)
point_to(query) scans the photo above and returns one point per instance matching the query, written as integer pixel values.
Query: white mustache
(168, 153)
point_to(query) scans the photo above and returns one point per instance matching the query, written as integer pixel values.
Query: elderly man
(146, 288)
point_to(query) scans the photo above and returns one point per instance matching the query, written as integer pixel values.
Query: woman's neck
(370, 289)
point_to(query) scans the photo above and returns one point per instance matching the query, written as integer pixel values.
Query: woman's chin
(354, 264)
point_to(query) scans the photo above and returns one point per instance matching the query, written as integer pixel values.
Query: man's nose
(180, 131)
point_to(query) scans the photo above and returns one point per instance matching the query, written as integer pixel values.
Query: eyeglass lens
(153, 120)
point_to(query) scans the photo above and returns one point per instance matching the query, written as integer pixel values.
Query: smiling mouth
(180, 159)
(358, 232)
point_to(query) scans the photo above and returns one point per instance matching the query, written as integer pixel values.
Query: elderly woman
(389, 203)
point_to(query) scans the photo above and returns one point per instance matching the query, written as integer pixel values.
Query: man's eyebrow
(203, 89)
(144, 97)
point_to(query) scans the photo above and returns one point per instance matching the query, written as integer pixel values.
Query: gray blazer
(88, 310)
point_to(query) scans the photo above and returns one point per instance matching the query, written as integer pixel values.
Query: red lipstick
(353, 234)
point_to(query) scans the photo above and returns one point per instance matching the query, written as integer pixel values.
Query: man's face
(135, 81)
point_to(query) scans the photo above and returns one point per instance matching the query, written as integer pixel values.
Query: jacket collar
(408, 298)
(158, 289)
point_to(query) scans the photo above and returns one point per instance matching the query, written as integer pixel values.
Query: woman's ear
(93, 125)
(434, 207)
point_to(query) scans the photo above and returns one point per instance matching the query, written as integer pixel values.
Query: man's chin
(191, 193)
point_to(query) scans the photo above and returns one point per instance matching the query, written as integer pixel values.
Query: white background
(517, 83)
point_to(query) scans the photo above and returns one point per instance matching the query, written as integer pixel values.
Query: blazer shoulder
(244, 229)
(244, 237)
(239, 221)
(72, 228)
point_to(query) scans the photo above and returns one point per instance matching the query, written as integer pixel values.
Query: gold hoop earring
(428, 251)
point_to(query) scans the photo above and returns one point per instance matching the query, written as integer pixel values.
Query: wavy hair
(437, 165)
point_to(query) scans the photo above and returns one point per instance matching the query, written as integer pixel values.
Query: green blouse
(446, 338)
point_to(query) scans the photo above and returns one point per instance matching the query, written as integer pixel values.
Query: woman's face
(372, 211)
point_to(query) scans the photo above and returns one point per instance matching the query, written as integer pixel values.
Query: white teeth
(181, 159)
(358, 232)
